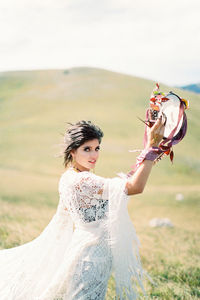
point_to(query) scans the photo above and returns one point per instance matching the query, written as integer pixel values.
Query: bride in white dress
(90, 236)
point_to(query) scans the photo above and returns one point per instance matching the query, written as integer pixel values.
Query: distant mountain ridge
(192, 87)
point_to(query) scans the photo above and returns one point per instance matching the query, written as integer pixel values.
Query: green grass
(35, 106)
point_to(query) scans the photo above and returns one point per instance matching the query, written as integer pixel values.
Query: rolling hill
(35, 107)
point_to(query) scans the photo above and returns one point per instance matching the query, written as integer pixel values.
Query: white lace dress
(89, 237)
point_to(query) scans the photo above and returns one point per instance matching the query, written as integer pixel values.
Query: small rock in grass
(179, 197)
(156, 222)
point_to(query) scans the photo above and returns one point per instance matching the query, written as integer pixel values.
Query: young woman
(91, 234)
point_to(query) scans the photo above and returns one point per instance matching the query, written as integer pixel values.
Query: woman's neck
(79, 169)
(76, 169)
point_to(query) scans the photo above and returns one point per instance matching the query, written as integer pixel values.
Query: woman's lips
(92, 162)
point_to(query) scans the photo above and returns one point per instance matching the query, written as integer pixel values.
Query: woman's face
(85, 157)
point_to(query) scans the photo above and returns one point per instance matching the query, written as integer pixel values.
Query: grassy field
(35, 107)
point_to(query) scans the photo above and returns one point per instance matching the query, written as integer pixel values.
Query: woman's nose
(94, 155)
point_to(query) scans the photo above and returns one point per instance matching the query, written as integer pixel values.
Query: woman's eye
(87, 149)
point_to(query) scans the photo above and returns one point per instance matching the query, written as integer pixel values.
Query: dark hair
(77, 134)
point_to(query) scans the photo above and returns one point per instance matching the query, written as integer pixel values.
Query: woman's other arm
(137, 182)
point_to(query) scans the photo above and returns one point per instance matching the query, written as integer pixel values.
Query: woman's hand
(156, 132)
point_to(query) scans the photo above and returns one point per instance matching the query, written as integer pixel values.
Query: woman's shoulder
(71, 177)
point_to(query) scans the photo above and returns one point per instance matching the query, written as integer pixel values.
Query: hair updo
(77, 134)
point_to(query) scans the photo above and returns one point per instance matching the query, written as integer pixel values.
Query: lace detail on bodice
(84, 196)
(95, 212)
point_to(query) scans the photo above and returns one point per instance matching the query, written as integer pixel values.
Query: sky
(153, 39)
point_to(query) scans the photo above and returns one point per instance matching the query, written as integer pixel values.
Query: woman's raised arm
(137, 182)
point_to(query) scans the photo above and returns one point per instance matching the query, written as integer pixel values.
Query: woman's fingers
(156, 132)
(157, 124)
(160, 123)
(158, 129)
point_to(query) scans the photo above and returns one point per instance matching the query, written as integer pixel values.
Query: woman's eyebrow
(87, 147)
(91, 147)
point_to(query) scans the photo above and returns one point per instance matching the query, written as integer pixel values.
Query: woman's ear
(72, 152)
